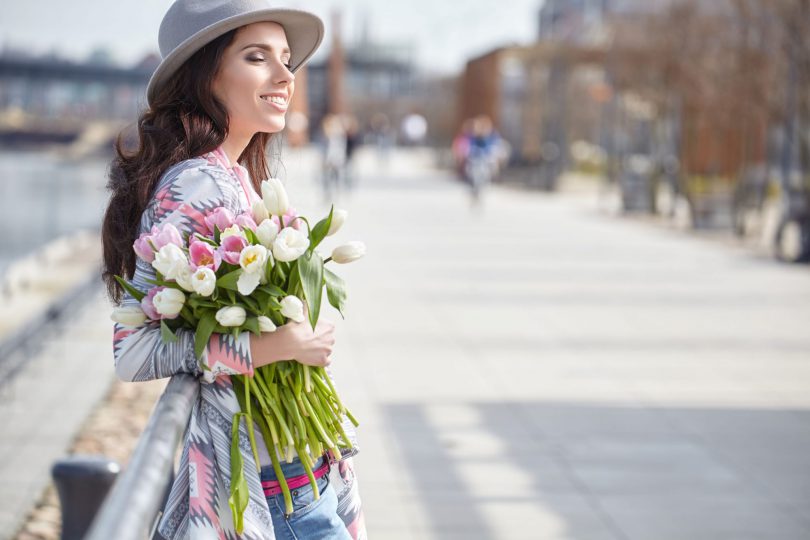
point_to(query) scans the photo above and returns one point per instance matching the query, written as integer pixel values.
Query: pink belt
(272, 487)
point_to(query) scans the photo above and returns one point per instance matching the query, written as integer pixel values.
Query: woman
(215, 101)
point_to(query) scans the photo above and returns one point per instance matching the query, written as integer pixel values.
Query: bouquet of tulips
(254, 272)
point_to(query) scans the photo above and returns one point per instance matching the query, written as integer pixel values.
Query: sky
(443, 34)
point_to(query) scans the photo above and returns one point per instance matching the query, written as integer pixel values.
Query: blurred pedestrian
(382, 137)
(334, 152)
(353, 139)
(480, 152)
(216, 100)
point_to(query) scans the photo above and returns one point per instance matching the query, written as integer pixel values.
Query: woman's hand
(295, 341)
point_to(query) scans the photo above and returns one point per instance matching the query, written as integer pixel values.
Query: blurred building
(588, 79)
(373, 78)
(590, 21)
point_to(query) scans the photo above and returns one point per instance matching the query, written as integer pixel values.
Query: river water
(44, 195)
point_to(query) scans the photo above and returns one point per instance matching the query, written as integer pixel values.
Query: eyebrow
(267, 48)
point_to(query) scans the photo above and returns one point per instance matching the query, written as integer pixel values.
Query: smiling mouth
(275, 100)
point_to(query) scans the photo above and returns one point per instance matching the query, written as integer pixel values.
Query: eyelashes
(287, 65)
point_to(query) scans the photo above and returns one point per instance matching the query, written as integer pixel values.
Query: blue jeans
(311, 519)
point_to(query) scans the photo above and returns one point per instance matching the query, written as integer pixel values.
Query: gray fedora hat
(189, 24)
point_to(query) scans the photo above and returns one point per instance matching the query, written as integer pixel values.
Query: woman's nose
(283, 75)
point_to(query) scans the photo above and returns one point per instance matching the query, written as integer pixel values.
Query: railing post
(129, 511)
(82, 483)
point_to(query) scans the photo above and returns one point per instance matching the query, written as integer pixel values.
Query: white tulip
(252, 259)
(259, 212)
(348, 252)
(204, 281)
(265, 324)
(266, 232)
(170, 261)
(169, 302)
(233, 230)
(231, 316)
(338, 218)
(290, 244)
(248, 281)
(292, 307)
(184, 278)
(275, 197)
(128, 316)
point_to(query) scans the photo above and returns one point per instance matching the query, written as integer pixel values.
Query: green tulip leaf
(133, 292)
(228, 281)
(320, 229)
(335, 290)
(238, 500)
(310, 271)
(166, 332)
(252, 325)
(203, 333)
(272, 290)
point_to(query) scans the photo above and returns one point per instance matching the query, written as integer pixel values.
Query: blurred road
(539, 370)
(544, 371)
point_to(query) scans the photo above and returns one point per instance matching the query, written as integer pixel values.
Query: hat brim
(304, 33)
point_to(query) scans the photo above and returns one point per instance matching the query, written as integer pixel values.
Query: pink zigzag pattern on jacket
(203, 500)
(168, 202)
(171, 199)
(121, 334)
(224, 356)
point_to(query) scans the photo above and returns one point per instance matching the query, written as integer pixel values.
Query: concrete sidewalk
(45, 403)
(540, 370)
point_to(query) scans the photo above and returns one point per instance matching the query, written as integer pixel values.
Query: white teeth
(275, 99)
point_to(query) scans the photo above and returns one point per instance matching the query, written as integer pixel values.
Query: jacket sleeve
(183, 199)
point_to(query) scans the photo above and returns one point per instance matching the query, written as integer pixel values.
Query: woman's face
(253, 81)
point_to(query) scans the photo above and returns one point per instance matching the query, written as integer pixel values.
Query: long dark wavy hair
(185, 120)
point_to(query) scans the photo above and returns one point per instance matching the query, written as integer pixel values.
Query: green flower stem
(267, 414)
(351, 417)
(250, 430)
(338, 424)
(285, 489)
(314, 435)
(333, 392)
(289, 456)
(313, 417)
(327, 399)
(308, 468)
(325, 419)
(307, 380)
(273, 432)
(298, 379)
(274, 407)
(318, 377)
(259, 395)
(188, 316)
(296, 414)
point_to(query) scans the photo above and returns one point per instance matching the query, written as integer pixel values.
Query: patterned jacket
(197, 507)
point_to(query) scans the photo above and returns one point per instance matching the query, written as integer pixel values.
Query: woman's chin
(273, 126)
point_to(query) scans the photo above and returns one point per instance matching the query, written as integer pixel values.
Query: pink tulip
(231, 248)
(204, 254)
(166, 234)
(246, 221)
(143, 248)
(148, 307)
(220, 217)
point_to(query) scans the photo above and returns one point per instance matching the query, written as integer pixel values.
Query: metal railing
(130, 509)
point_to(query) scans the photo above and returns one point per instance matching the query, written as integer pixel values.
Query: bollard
(82, 482)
